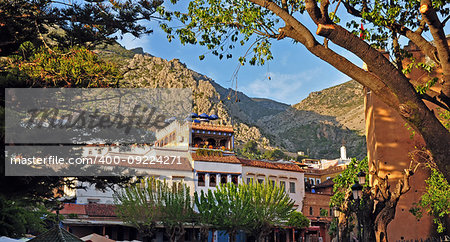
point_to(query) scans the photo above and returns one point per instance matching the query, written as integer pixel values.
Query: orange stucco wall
(389, 143)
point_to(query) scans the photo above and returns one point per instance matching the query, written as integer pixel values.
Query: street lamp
(357, 191)
(361, 177)
(357, 195)
(337, 213)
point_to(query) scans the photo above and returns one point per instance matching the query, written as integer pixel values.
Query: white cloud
(286, 88)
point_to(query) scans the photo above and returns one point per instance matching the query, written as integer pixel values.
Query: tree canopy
(220, 25)
(145, 204)
(69, 23)
(49, 44)
(254, 207)
(298, 220)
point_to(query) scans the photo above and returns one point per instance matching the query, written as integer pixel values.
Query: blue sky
(294, 71)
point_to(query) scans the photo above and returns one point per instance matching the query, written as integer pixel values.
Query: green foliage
(251, 147)
(271, 205)
(68, 23)
(275, 154)
(422, 89)
(343, 182)
(208, 152)
(143, 204)
(323, 212)
(250, 150)
(137, 206)
(18, 218)
(256, 207)
(75, 67)
(435, 201)
(298, 220)
(444, 117)
(220, 25)
(176, 208)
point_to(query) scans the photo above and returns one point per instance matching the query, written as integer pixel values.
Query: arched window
(223, 178)
(212, 180)
(201, 179)
(310, 210)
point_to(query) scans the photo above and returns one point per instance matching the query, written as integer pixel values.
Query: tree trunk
(383, 219)
(175, 233)
(232, 235)
(368, 219)
(261, 237)
(204, 232)
(368, 233)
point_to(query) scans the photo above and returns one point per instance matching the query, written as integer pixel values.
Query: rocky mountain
(270, 123)
(344, 101)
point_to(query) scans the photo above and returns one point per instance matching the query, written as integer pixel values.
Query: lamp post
(357, 195)
(337, 213)
(361, 177)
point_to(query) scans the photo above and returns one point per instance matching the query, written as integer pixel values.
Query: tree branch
(443, 50)
(384, 79)
(434, 100)
(299, 32)
(414, 36)
(314, 11)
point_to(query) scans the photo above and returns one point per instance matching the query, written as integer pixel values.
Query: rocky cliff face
(270, 123)
(345, 102)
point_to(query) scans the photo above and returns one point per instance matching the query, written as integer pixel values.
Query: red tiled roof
(100, 210)
(71, 208)
(271, 165)
(96, 238)
(91, 209)
(327, 183)
(222, 159)
(329, 170)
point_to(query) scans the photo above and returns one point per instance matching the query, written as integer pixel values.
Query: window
(323, 212)
(317, 181)
(292, 187)
(272, 182)
(212, 180)
(328, 178)
(249, 180)
(310, 211)
(223, 178)
(93, 200)
(283, 185)
(312, 181)
(260, 181)
(201, 179)
(234, 179)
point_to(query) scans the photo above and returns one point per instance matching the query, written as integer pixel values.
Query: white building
(207, 160)
(285, 174)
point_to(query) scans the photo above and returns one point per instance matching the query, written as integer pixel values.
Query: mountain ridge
(270, 123)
